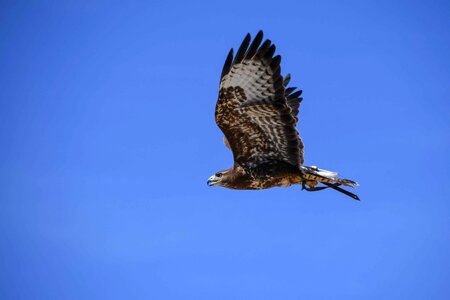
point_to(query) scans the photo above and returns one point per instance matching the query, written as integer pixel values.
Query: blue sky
(108, 136)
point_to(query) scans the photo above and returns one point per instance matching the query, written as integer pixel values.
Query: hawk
(258, 113)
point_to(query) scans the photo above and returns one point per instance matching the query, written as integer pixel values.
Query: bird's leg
(313, 189)
(310, 185)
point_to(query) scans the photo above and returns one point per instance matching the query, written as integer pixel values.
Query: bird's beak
(211, 181)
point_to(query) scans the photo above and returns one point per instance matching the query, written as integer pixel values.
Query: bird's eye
(219, 174)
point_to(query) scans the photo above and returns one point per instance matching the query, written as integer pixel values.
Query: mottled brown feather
(255, 110)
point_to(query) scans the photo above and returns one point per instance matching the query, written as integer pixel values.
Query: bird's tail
(312, 176)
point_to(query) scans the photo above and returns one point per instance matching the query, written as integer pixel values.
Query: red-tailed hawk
(257, 113)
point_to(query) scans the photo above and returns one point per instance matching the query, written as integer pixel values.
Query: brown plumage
(258, 115)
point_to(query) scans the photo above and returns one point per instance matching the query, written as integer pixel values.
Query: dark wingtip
(242, 49)
(254, 45)
(228, 63)
(287, 79)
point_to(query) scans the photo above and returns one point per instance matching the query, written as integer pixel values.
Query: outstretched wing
(255, 112)
(292, 97)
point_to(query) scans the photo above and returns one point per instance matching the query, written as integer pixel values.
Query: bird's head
(220, 178)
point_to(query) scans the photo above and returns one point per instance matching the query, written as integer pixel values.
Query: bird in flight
(258, 113)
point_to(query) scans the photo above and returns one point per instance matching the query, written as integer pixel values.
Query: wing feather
(255, 109)
(254, 45)
(294, 100)
(242, 50)
(228, 63)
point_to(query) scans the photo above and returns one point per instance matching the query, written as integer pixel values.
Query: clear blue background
(108, 137)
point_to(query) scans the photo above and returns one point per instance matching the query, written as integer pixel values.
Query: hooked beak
(212, 181)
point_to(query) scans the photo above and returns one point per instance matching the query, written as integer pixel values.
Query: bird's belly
(280, 182)
(285, 182)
